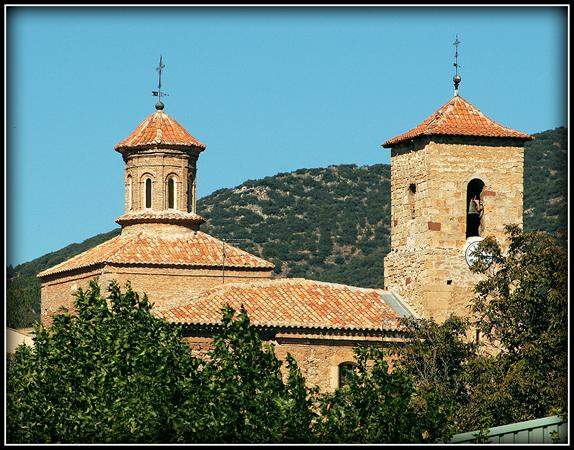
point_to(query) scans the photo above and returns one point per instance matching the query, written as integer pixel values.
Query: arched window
(411, 194)
(474, 208)
(171, 193)
(148, 193)
(345, 369)
(129, 193)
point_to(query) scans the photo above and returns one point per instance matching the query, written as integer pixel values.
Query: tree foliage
(522, 305)
(116, 373)
(243, 396)
(109, 373)
(436, 358)
(376, 405)
(520, 371)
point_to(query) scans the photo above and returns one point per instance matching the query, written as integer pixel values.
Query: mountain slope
(329, 224)
(546, 181)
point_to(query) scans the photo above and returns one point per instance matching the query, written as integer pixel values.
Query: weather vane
(456, 77)
(159, 94)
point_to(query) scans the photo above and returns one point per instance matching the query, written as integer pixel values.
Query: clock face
(472, 252)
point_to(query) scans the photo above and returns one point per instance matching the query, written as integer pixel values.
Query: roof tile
(293, 302)
(194, 249)
(159, 128)
(457, 118)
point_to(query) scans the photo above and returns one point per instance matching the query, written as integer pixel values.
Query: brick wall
(159, 164)
(59, 292)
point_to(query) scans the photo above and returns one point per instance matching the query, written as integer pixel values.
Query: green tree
(244, 397)
(108, 374)
(115, 373)
(374, 405)
(522, 306)
(436, 357)
(521, 310)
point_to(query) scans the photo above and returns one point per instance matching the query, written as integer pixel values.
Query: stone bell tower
(454, 156)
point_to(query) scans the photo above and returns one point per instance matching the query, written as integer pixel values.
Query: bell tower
(455, 178)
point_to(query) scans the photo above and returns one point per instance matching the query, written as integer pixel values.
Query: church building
(190, 276)
(455, 178)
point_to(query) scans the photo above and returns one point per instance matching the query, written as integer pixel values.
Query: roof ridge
(275, 281)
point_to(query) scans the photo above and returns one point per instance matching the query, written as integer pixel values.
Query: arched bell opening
(474, 207)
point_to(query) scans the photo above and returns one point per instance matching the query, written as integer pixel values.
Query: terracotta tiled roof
(159, 128)
(293, 302)
(193, 249)
(458, 118)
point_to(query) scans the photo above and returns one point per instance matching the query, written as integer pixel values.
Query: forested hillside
(329, 224)
(545, 181)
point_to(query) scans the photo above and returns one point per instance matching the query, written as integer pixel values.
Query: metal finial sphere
(159, 105)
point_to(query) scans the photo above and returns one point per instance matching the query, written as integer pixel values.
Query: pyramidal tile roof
(293, 302)
(159, 129)
(193, 249)
(458, 117)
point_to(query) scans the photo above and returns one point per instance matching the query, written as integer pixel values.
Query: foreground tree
(436, 358)
(108, 374)
(376, 405)
(243, 397)
(522, 309)
(115, 373)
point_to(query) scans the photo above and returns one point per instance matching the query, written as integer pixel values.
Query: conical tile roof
(159, 129)
(458, 117)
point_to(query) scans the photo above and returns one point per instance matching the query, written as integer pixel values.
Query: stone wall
(426, 264)
(409, 166)
(435, 282)
(452, 165)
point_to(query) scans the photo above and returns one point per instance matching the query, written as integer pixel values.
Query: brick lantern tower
(160, 170)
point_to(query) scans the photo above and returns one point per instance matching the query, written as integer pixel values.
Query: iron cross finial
(159, 94)
(456, 77)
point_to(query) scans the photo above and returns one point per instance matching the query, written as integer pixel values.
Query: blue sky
(267, 90)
